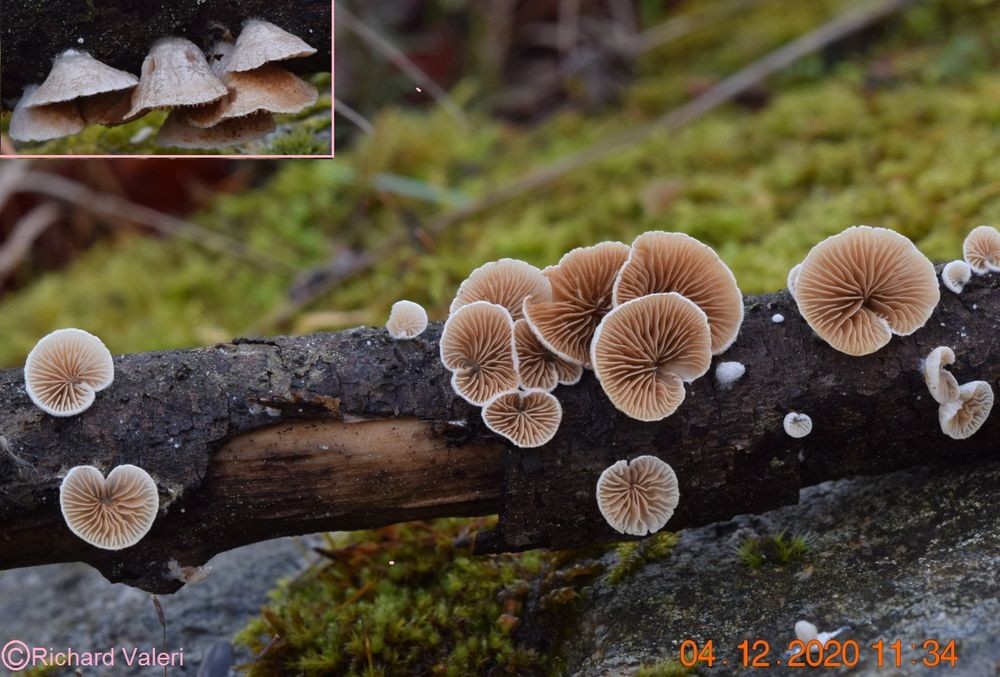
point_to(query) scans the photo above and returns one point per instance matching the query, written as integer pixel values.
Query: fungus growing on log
(537, 366)
(101, 93)
(113, 513)
(65, 370)
(728, 373)
(45, 122)
(507, 282)
(858, 288)
(797, 425)
(582, 285)
(956, 275)
(675, 262)
(962, 417)
(646, 349)
(261, 42)
(638, 498)
(940, 382)
(981, 250)
(175, 73)
(528, 418)
(477, 346)
(407, 320)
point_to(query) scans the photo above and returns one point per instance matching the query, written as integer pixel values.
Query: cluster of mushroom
(62, 375)
(221, 99)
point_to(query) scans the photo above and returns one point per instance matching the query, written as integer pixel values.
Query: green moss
(664, 669)
(777, 550)
(633, 555)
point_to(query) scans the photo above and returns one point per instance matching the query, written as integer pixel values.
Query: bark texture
(120, 32)
(262, 438)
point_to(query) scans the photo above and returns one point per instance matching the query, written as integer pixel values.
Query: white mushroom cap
(981, 250)
(64, 371)
(528, 418)
(46, 122)
(638, 498)
(646, 349)
(962, 417)
(956, 275)
(177, 133)
(940, 382)
(797, 425)
(407, 320)
(858, 288)
(113, 513)
(477, 346)
(728, 373)
(537, 366)
(76, 74)
(674, 262)
(793, 276)
(507, 282)
(175, 73)
(261, 42)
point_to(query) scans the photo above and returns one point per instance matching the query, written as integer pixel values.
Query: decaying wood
(263, 438)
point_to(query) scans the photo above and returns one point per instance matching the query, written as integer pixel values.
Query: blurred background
(443, 107)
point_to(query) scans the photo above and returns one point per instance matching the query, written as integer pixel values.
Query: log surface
(120, 32)
(262, 438)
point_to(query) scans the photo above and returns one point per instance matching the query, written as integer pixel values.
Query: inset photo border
(189, 78)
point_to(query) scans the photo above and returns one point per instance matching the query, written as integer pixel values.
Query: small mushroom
(646, 349)
(64, 371)
(728, 373)
(940, 382)
(793, 276)
(477, 346)
(407, 320)
(113, 513)
(638, 498)
(45, 122)
(675, 262)
(962, 417)
(581, 296)
(507, 282)
(76, 75)
(956, 275)
(537, 366)
(176, 132)
(858, 288)
(981, 250)
(528, 418)
(797, 425)
(261, 42)
(175, 73)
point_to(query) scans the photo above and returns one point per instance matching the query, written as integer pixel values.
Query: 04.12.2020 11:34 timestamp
(832, 654)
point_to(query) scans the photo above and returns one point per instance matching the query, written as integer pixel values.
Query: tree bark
(120, 32)
(264, 438)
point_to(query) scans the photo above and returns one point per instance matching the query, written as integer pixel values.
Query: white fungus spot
(777, 318)
(797, 425)
(79, 41)
(728, 373)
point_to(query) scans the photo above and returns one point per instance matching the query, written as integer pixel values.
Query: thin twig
(23, 236)
(382, 45)
(353, 116)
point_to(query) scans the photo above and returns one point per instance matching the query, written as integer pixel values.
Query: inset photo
(249, 78)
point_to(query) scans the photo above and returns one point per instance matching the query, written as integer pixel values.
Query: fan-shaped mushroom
(477, 346)
(797, 425)
(64, 371)
(940, 382)
(646, 349)
(675, 262)
(538, 367)
(175, 73)
(581, 296)
(407, 320)
(962, 417)
(506, 282)
(101, 92)
(858, 288)
(528, 418)
(113, 513)
(261, 42)
(955, 275)
(44, 122)
(638, 498)
(981, 250)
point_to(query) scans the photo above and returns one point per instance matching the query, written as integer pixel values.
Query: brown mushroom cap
(858, 288)
(638, 498)
(175, 73)
(76, 74)
(407, 320)
(675, 262)
(981, 250)
(261, 42)
(940, 382)
(528, 418)
(177, 133)
(646, 349)
(538, 367)
(44, 122)
(477, 346)
(581, 297)
(113, 513)
(962, 417)
(506, 282)
(64, 371)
